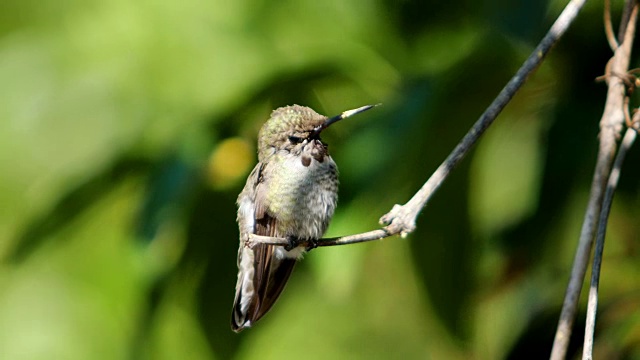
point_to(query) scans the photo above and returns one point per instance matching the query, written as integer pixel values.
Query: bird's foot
(312, 244)
(292, 243)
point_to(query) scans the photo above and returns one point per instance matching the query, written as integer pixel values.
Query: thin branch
(592, 307)
(342, 240)
(624, 19)
(402, 218)
(610, 128)
(608, 27)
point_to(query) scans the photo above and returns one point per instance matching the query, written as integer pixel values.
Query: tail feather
(261, 278)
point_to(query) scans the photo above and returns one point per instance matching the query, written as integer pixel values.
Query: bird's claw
(312, 244)
(292, 243)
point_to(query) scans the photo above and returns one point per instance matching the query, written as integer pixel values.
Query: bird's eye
(295, 139)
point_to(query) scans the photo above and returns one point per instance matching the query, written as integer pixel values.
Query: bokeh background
(127, 130)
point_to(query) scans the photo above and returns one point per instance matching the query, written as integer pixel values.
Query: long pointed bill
(343, 115)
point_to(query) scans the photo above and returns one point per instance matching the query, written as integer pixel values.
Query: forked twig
(592, 306)
(610, 127)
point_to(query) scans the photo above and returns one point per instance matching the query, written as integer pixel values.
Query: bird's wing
(262, 273)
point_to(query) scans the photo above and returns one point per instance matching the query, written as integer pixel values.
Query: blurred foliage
(127, 130)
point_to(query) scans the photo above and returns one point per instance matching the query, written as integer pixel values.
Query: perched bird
(291, 193)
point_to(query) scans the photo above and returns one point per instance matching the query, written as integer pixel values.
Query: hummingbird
(291, 193)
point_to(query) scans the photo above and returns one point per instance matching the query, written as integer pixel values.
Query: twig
(610, 128)
(342, 240)
(624, 19)
(608, 27)
(592, 307)
(402, 218)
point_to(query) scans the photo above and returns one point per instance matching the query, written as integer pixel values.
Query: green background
(127, 130)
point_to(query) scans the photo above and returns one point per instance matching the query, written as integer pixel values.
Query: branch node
(399, 221)
(249, 242)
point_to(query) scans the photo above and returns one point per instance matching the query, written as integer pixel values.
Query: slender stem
(401, 219)
(592, 307)
(608, 27)
(342, 240)
(610, 128)
(624, 19)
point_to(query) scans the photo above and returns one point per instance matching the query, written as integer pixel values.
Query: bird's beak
(343, 115)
